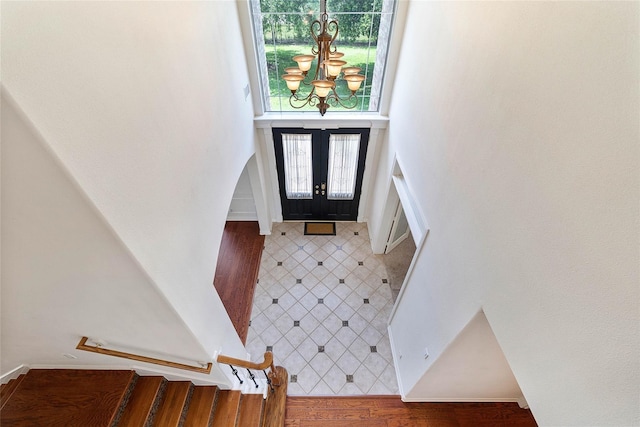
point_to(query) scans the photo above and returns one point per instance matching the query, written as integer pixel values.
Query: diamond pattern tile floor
(322, 304)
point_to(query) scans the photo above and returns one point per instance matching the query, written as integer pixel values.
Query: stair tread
(201, 407)
(250, 410)
(172, 405)
(227, 408)
(66, 397)
(141, 401)
(8, 389)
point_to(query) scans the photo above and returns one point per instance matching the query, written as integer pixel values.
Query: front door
(320, 172)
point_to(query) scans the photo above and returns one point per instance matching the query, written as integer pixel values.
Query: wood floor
(237, 271)
(390, 411)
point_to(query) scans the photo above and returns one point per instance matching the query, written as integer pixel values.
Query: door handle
(323, 186)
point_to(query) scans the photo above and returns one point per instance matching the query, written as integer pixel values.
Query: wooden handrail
(267, 363)
(82, 345)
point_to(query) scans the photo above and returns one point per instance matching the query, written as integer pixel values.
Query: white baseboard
(172, 376)
(522, 402)
(84, 367)
(242, 216)
(461, 399)
(265, 231)
(14, 373)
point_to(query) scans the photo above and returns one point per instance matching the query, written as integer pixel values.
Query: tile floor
(322, 305)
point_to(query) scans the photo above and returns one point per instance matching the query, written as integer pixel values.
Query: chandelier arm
(304, 98)
(310, 99)
(316, 30)
(305, 83)
(334, 99)
(333, 26)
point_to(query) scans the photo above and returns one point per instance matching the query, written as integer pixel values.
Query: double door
(320, 172)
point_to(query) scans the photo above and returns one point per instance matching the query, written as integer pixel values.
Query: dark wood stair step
(173, 404)
(201, 406)
(251, 406)
(226, 412)
(141, 402)
(66, 397)
(8, 389)
(274, 411)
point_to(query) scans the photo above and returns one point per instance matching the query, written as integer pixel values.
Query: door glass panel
(402, 227)
(343, 166)
(298, 172)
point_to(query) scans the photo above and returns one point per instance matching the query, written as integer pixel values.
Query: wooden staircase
(101, 398)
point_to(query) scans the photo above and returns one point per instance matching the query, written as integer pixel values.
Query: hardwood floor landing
(390, 411)
(237, 271)
(66, 397)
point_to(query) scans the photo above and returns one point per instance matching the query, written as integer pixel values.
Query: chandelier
(329, 65)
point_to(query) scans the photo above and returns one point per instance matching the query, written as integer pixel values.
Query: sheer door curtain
(343, 166)
(298, 169)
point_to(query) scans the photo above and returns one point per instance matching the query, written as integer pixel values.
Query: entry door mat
(319, 228)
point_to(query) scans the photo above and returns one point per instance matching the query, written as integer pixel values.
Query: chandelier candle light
(328, 67)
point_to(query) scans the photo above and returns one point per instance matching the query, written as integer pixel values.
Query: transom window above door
(282, 31)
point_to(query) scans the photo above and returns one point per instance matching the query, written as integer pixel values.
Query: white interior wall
(243, 207)
(383, 197)
(143, 104)
(258, 180)
(472, 368)
(67, 275)
(522, 138)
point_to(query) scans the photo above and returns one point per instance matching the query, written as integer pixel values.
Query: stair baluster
(253, 377)
(235, 372)
(268, 380)
(276, 379)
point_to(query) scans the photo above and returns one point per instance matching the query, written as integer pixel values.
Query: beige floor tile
(322, 303)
